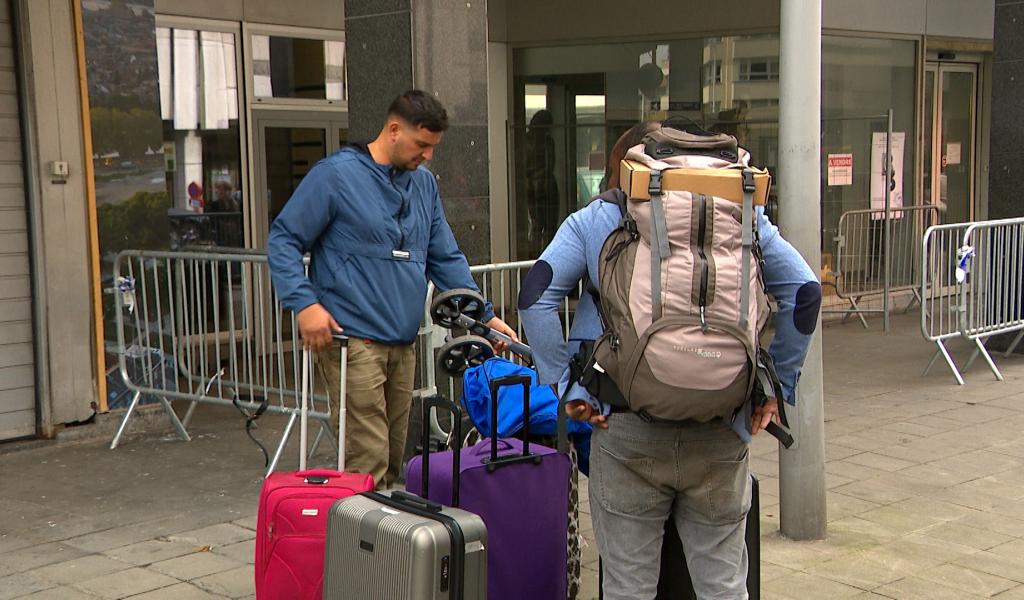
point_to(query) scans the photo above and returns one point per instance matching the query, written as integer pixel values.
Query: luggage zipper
(701, 234)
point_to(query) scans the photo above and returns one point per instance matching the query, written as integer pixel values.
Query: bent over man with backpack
(674, 418)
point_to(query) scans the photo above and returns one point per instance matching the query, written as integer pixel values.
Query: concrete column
(439, 46)
(802, 468)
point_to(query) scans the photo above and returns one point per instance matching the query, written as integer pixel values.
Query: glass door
(286, 148)
(949, 148)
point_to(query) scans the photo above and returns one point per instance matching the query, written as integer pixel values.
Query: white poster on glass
(891, 177)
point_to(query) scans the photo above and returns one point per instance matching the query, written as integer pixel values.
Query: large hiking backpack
(679, 282)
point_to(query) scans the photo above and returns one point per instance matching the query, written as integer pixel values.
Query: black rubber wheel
(447, 306)
(464, 352)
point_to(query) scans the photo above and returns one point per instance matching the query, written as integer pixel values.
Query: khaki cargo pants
(379, 396)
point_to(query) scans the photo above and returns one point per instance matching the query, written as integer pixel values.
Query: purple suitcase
(521, 491)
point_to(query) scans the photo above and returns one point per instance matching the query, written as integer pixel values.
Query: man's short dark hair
(420, 109)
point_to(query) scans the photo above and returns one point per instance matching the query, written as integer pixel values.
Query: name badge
(401, 254)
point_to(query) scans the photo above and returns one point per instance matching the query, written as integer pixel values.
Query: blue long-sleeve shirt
(376, 234)
(574, 252)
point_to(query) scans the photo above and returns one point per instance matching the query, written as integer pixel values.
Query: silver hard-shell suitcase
(398, 546)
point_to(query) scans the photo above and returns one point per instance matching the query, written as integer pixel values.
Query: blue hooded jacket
(376, 234)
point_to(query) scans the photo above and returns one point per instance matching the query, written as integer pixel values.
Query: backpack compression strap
(748, 243)
(659, 242)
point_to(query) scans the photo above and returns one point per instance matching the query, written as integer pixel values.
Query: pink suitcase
(291, 524)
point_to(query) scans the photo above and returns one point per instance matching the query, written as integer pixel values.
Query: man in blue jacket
(644, 473)
(372, 220)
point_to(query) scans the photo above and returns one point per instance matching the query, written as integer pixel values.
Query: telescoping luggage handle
(342, 341)
(494, 461)
(456, 412)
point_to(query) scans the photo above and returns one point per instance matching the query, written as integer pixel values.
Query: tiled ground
(925, 484)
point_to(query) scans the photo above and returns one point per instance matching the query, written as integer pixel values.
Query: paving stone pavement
(924, 478)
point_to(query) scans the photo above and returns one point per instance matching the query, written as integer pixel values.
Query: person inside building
(644, 473)
(371, 217)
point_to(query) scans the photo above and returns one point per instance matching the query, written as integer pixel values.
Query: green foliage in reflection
(139, 223)
(129, 132)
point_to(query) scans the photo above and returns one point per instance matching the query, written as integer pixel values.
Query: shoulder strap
(618, 198)
(613, 196)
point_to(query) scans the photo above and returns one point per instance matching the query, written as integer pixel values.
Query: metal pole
(802, 467)
(887, 261)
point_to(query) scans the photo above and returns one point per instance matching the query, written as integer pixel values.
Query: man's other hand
(580, 410)
(763, 415)
(316, 326)
(501, 327)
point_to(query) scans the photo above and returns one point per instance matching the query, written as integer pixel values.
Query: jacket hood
(362, 152)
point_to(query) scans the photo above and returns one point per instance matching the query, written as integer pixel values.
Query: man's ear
(393, 128)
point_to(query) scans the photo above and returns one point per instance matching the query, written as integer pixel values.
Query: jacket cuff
(301, 302)
(488, 312)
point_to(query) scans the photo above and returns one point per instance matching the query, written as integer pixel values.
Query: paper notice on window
(840, 169)
(885, 173)
(953, 153)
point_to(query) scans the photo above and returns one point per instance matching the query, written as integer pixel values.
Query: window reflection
(202, 156)
(591, 94)
(285, 67)
(572, 103)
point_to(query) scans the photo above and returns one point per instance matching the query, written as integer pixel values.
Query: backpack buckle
(629, 224)
(654, 184)
(748, 181)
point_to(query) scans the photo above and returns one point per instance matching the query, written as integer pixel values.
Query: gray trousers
(643, 474)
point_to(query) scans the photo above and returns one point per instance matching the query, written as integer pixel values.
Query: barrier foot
(316, 442)
(970, 361)
(916, 299)
(284, 441)
(188, 413)
(949, 361)
(124, 421)
(326, 431)
(182, 433)
(931, 363)
(1013, 346)
(988, 359)
(856, 310)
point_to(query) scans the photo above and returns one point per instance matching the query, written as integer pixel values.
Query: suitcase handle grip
(316, 473)
(481, 449)
(495, 385)
(456, 412)
(416, 501)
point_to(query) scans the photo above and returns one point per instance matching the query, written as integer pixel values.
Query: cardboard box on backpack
(720, 183)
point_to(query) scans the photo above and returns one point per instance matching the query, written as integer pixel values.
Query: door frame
(938, 70)
(330, 122)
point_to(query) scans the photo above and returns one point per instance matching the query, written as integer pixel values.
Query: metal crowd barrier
(861, 260)
(972, 287)
(939, 290)
(992, 295)
(216, 316)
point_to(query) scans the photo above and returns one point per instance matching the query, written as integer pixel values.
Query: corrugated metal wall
(17, 381)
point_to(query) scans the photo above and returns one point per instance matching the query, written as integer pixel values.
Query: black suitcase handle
(495, 461)
(416, 500)
(456, 412)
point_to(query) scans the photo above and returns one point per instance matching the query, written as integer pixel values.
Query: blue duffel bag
(476, 398)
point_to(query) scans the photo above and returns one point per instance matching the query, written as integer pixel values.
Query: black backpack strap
(767, 386)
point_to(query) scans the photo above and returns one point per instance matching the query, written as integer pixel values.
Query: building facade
(171, 124)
